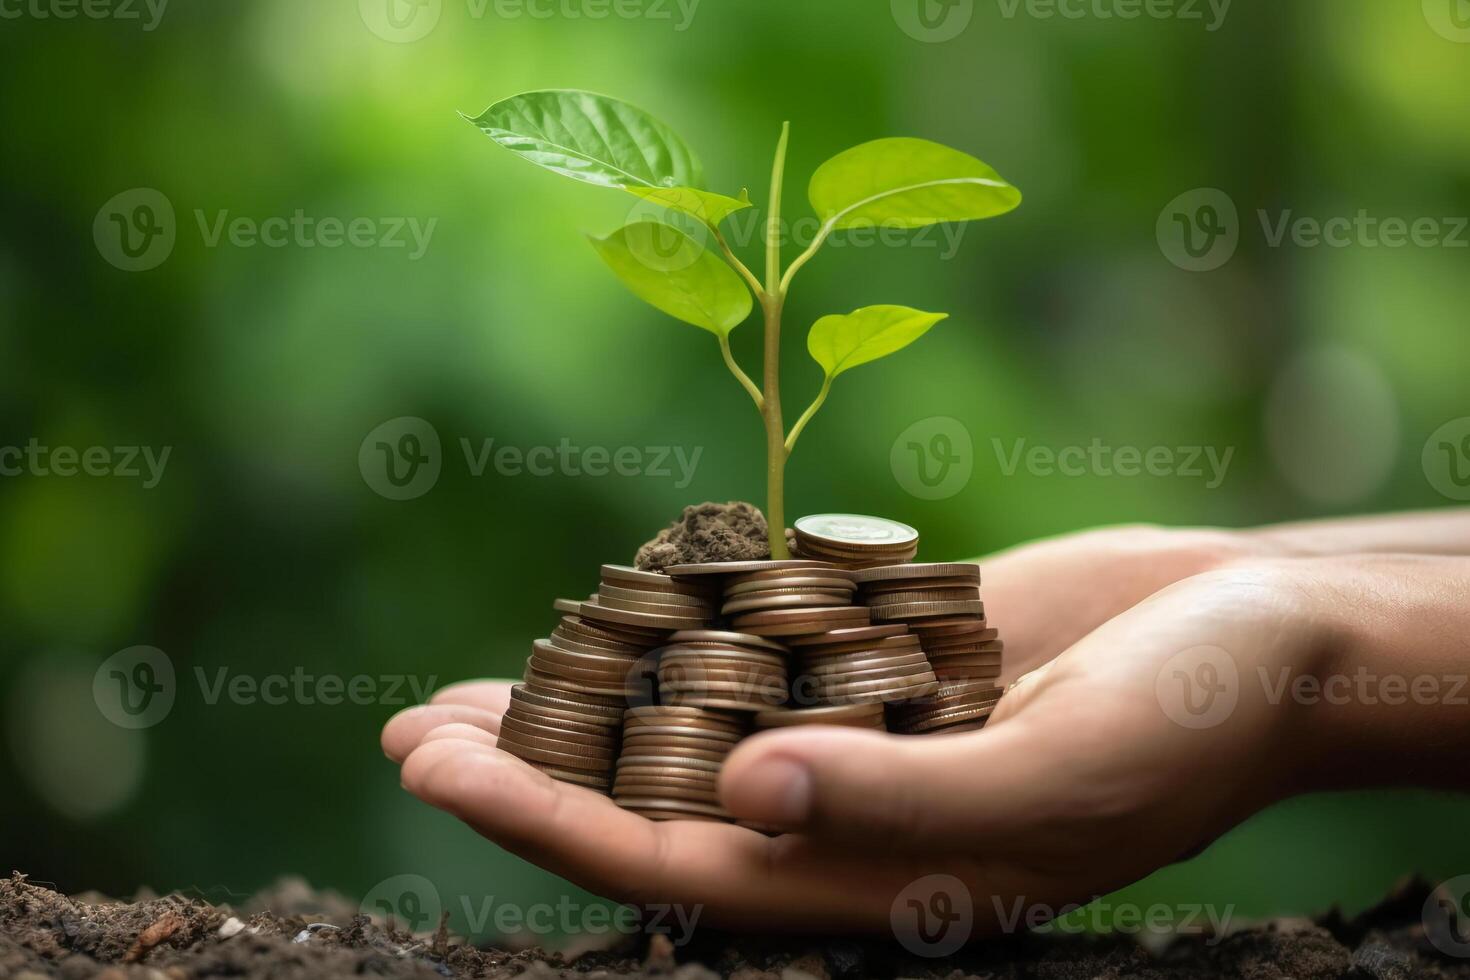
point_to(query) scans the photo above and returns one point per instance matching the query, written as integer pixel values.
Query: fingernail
(779, 790)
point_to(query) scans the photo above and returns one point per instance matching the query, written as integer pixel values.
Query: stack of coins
(787, 588)
(917, 594)
(960, 706)
(865, 715)
(961, 650)
(877, 664)
(721, 669)
(671, 760)
(649, 601)
(853, 540)
(940, 603)
(573, 738)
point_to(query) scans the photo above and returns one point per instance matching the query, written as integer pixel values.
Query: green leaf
(668, 269)
(707, 206)
(907, 183)
(593, 138)
(842, 341)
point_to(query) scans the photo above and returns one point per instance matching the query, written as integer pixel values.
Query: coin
(562, 730)
(598, 611)
(700, 613)
(716, 655)
(664, 791)
(769, 600)
(866, 670)
(856, 529)
(726, 637)
(675, 753)
(663, 714)
(565, 760)
(784, 577)
(674, 808)
(628, 577)
(598, 706)
(919, 610)
(890, 646)
(642, 738)
(739, 567)
(851, 634)
(591, 780)
(854, 716)
(829, 617)
(699, 602)
(664, 765)
(966, 593)
(918, 570)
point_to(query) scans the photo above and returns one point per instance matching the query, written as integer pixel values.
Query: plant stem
(807, 415)
(771, 302)
(741, 376)
(806, 256)
(734, 260)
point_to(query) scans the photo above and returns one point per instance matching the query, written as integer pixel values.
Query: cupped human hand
(1112, 760)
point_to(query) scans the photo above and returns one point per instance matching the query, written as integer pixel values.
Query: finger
(492, 695)
(735, 876)
(407, 729)
(459, 730)
(911, 792)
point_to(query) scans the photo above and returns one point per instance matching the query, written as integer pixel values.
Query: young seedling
(892, 183)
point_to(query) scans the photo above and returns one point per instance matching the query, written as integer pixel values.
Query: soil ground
(292, 932)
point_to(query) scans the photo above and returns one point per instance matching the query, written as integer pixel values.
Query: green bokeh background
(263, 550)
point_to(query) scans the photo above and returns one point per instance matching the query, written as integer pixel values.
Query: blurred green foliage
(263, 550)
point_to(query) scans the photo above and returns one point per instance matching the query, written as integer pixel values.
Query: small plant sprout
(889, 183)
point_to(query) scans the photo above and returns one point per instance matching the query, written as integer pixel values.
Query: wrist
(1375, 682)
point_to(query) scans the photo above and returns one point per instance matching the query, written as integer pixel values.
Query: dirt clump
(708, 532)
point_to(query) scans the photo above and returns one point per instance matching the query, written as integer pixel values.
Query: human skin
(1083, 781)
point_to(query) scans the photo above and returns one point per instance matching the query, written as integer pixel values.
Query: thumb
(912, 792)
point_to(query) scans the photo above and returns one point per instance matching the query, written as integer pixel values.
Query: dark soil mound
(43, 933)
(708, 532)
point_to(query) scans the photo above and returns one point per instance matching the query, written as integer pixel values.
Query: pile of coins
(645, 687)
